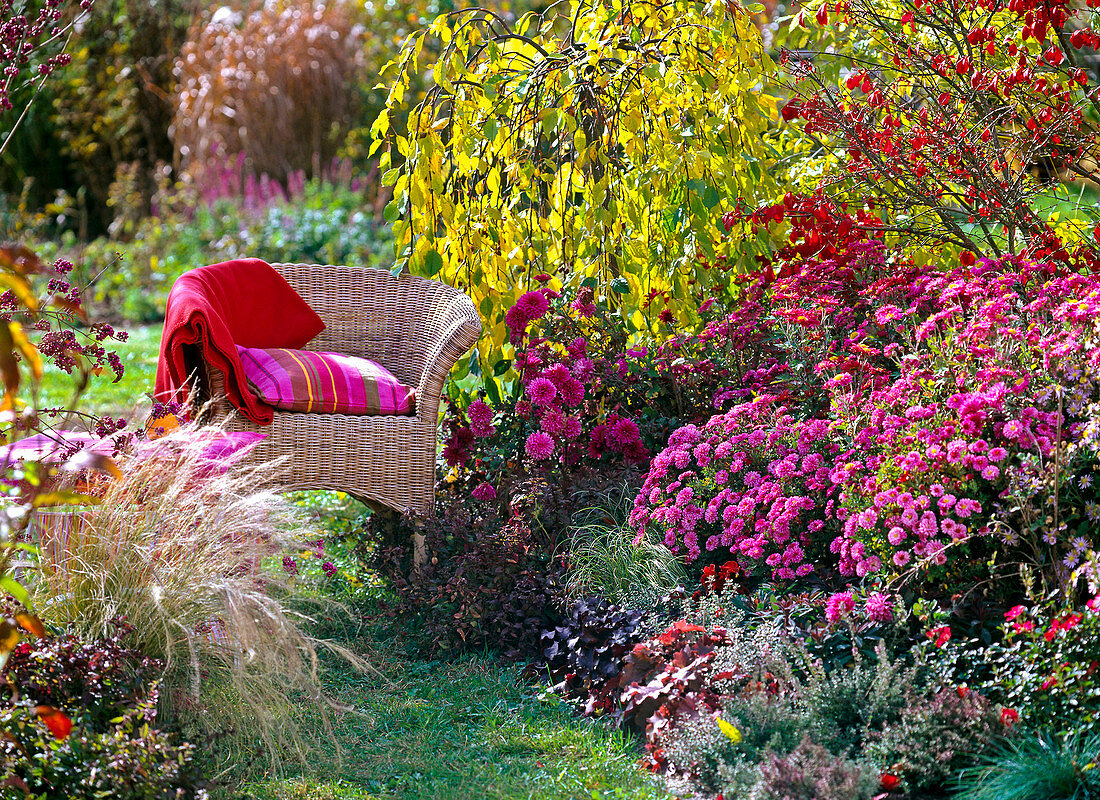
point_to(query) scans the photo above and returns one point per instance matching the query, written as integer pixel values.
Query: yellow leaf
(20, 288)
(731, 732)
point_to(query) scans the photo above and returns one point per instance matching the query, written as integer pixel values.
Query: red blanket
(243, 302)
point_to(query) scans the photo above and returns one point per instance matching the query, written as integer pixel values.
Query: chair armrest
(460, 331)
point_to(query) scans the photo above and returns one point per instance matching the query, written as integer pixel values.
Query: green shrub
(108, 692)
(322, 223)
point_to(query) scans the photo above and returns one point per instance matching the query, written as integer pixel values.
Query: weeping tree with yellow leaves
(599, 140)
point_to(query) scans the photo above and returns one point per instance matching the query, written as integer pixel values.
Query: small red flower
(1009, 716)
(889, 782)
(58, 723)
(941, 635)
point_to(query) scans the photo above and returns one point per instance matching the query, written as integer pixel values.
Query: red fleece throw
(243, 302)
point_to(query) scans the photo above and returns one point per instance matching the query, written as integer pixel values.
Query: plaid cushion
(328, 383)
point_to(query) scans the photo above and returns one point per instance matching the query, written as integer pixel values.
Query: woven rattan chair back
(417, 329)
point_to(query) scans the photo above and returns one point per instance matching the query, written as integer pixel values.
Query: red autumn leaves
(952, 128)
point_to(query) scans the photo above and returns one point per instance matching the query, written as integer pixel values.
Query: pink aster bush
(936, 453)
(751, 482)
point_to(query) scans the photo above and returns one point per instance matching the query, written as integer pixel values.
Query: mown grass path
(468, 728)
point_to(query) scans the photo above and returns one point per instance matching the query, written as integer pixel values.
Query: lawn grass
(469, 728)
(139, 357)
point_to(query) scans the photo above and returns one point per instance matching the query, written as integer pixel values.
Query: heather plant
(810, 772)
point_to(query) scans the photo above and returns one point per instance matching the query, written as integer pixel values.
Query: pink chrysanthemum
(533, 305)
(571, 428)
(879, 607)
(839, 606)
(479, 413)
(541, 391)
(584, 369)
(625, 432)
(572, 392)
(557, 373)
(484, 491)
(553, 422)
(540, 446)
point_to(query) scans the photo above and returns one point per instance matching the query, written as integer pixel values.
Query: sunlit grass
(139, 356)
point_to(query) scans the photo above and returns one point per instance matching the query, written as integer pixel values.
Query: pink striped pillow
(323, 383)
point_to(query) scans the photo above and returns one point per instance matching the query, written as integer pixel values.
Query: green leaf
(620, 286)
(16, 590)
(433, 263)
(502, 366)
(492, 390)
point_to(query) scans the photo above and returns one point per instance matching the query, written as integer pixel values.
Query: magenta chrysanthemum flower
(553, 422)
(584, 369)
(290, 566)
(572, 392)
(625, 432)
(839, 606)
(533, 305)
(329, 569)
(541, 391)
(484, 491)
(879, 607)
(571, 428)
(479, 413)
(540, 446)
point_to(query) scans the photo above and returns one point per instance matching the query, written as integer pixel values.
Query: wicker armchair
(414, 327)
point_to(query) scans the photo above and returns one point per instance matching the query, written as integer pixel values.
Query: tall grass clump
(189, 553)
(603, 557)
(1036, 767)
(276, 83)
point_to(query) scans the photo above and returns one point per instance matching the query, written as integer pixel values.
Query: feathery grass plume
(603, 558)
(177, 548)
(275, 83)
(1036, 767)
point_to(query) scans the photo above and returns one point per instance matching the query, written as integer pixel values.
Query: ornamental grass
(177, 549)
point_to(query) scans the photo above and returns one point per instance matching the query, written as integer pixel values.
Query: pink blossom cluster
(877, 606)
(531, 306)
(931, 450)
(751, 482)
